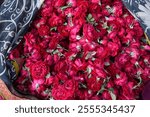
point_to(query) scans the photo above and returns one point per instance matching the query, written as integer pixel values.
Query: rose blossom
(58, 3)
(94, 83)
(39, 70)
(121, 79)
(55, 20)
(43, 30)
(127, 92)
(89, 32)
(60, 93)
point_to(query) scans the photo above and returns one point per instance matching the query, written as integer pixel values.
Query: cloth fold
(15, 18)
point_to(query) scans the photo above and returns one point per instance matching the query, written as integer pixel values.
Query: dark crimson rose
(75, 47)
(53, 43)
(43, 30)
(49, 81)
(72, 2)
(14, 54)
(118, 8)
(30, 39)
(55, 20)
(39, 22)
(63, 30)
(89, 32)
(122, 59)
(114, 48)
(106, 95)
(39, 70)
(103, 52)
(60, 93)
(47, 11)
(106, 1)
(59, 3)
(70, 86)
(127, 92)
(94, 83)
(121, 79)
(49, 59)
(61, 66)
(74, 32)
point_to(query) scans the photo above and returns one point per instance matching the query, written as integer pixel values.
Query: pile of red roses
(84, 49)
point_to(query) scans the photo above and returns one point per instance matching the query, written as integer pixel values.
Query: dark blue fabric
(15, 17)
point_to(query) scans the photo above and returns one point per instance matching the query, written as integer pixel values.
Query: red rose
(122, 59)
(30, 39)
(95, 1)
(70, 86)
(130, 69)
(39, 70)
(61, 66)
(43, 30)
(39, 22)
(106, 95)
(127, 92)
(54, 40)
(146, 47)
(55, 20)
(102, 52)
(59, 93)
(118, 8)
(72, 2)
(49, 59)
(114, 47)
(73, 33)
(37, 55)
(121, 79)
(64, 31)
(53, 43)
(94, 83)
(59, 3)
(89, 32)
(134, 52)
(47, 11)
(49, 81)
(75, 47)
(14, 54)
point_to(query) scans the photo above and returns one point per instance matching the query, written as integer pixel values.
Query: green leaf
(53, 28)
(111, 92)
(65, 7)
(89, 16)
(101, 90)
(81, 85)
(55, 51)
(89, 70)
(92, 20)
(139, 84)
(105, 25)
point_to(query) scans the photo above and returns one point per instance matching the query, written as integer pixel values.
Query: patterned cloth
(140, 9)
(15, 17)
